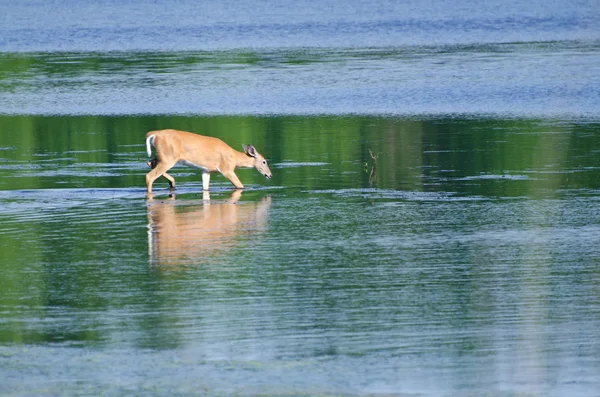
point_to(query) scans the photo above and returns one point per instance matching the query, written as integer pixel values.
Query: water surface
(464, 261)
(115, 25)
(557, 80)
(467, 264)
(498, 58)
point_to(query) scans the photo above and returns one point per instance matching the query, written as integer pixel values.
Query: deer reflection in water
(184, 233)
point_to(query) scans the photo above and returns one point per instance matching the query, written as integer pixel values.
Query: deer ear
(249, 150)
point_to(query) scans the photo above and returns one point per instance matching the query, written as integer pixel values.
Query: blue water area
(114, 25)
(499, 58)
(431, 227)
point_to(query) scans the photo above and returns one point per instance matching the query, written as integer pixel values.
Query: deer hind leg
(152, 164)
(159, 168)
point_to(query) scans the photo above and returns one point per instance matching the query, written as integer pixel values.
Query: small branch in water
(373, 175)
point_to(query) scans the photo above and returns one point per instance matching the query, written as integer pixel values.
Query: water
(491, 80)
(467, 264)
(499, 59)
(463, 262)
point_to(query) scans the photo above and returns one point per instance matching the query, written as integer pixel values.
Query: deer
(207, 153)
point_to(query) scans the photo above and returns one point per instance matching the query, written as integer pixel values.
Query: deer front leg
(233, 179)
(205, 181)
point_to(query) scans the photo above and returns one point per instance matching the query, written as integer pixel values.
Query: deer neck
(243, 161)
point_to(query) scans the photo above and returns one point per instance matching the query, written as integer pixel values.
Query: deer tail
(149, 144)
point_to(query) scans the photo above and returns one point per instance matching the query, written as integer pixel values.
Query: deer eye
(264, 162)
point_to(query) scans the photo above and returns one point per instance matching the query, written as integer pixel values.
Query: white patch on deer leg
(205, 180)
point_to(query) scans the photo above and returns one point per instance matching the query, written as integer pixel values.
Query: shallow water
(464, 261)
(467, 264)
